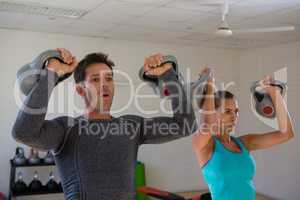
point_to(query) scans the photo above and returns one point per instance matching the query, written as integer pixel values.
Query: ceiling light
(224, 30)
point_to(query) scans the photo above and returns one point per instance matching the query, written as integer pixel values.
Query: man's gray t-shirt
(96, 158)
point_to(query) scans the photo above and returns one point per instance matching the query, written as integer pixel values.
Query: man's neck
(97, 115)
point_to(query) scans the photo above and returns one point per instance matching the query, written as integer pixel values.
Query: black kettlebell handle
(281, 86)
(167, 59)
(55, 55)
(275, 83)
(259, 95)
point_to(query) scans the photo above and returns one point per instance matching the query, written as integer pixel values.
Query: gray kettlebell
(49, 158)
(29, 74)
(34, 157)
(155, 82)
(19, 186)
(35, 185)
(52, 185)
(263, 102)
(19, 158)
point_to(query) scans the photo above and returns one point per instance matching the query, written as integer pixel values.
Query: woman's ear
(80, 90)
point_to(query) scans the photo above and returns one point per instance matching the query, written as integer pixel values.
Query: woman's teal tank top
(229, 174)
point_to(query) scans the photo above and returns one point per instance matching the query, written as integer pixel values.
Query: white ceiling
(186, 22)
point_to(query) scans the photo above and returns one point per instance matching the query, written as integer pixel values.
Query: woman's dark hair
(88, 60)
(222, 95)
(219, 96)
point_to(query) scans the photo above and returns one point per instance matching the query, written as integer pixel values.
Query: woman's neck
(224, 137)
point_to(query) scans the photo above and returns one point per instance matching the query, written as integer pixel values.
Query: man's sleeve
(183, 122)
(30, 126)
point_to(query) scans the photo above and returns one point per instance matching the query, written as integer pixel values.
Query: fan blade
(265, 30)
(213, 2)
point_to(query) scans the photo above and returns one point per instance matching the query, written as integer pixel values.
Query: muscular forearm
(30, 127)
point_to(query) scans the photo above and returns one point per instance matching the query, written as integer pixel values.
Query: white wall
(172, 166)
(277, 168)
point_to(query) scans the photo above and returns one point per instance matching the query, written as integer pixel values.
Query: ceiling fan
(224, 29)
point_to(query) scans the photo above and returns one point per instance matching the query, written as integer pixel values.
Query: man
(94, 165)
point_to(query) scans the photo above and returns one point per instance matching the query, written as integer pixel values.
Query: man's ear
(80, 89)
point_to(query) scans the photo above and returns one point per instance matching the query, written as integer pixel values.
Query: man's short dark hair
(88, 60)
(219, 96)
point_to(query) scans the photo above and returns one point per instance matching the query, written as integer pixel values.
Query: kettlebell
(263, 102)
(35, 185)
(154, 82)
(29, 74)
(19, 158)
(34, 157)
(49, 158)
(19, 186)
(52, 185)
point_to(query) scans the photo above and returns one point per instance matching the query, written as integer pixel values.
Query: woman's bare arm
(208, 117)
(285, 128)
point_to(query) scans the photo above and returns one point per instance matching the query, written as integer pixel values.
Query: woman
(225, 160)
